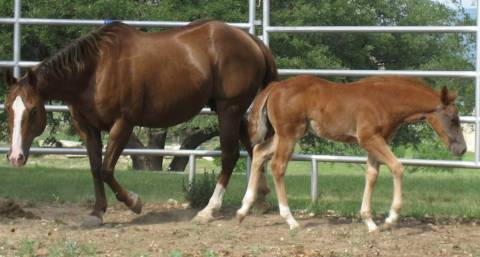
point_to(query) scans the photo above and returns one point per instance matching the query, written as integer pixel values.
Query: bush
(199, 191)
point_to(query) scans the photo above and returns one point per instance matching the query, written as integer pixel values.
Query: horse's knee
(278, 168)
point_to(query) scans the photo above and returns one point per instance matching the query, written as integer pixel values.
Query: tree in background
(421, 51)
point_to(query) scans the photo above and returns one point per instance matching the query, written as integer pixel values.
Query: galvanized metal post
(314, 181)
(249, 168)
(16, 38)
(477, 90)
(191, 168)
(251, 16)
(266, 21)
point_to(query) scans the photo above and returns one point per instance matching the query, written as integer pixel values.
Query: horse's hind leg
(229, 117)
(118, 138)
(261, 153)
(263, 189)
(283, 152)
(378, 147)
(370, 179)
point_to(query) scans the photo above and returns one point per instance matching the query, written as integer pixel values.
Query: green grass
(434, 194)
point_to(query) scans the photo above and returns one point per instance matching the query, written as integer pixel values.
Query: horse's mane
(400, 81)
(75, 56)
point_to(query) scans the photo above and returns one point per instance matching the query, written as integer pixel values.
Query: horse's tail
(271, 73)
(259, 127)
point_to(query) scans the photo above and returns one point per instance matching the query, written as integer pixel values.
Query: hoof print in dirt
(12, 210)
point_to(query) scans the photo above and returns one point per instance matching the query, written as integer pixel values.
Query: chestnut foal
(366, 112)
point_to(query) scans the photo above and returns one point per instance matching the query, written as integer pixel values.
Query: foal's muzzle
(458, 149)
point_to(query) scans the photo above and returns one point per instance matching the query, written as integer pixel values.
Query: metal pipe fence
(17, 63)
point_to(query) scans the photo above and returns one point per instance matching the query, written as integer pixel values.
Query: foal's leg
(263, 189)
(370, 179)
(229, 117)
(261, 153)
(377, 147)
(283, 152)
(92, 140)
(118, 138)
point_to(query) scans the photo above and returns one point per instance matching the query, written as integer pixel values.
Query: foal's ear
(448, 97)
(32, 78)
(444, 96)
(9, 78)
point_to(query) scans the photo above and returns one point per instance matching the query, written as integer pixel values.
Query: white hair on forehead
(18, 108)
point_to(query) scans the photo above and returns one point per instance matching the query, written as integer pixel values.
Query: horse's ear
(9, 78)
(32, 78)
(444, 96)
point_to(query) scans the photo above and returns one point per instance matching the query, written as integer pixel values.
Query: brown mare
(366, 112)
(117, 77)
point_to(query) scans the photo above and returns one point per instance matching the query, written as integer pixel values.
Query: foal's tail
(259, 127)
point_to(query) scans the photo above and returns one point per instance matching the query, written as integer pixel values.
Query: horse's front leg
(378, 147)
(92, 140)
(370, 180)
(118, 138)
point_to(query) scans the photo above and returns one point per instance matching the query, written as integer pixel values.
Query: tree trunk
(191, 142)
(155, 141)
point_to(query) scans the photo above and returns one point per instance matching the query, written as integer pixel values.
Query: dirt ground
(167, 230)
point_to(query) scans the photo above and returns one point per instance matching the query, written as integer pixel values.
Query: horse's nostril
(20, 157)
(464, 150)
(7, 157)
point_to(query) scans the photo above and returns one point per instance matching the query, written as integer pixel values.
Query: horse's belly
(167, 117)
(332, 132)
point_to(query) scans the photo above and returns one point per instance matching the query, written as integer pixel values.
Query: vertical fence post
(266, 21)
(16, 38)
(191, 168)
(251, 16)
(314, 181)
(249, 168)
(477, 89)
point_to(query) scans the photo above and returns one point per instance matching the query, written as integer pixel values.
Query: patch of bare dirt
(12, 210)
(163, 230)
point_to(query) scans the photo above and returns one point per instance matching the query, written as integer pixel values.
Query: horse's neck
(409, 106)
(64, 89)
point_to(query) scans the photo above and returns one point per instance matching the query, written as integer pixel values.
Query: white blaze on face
(18, 109)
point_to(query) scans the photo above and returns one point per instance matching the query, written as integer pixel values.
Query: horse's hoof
(136, 206)
(240, 216)
(202, 218)
(294, 226)
(92, 221)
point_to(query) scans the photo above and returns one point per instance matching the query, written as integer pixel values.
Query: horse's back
(155, 74)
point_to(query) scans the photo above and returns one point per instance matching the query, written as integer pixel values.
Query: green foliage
(413, 51)
(200, 190)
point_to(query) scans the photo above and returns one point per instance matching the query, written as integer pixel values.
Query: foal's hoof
(387, 226)
(240, 216)
(136, 206)
(262, 207)
(92, 221)
(202, 218)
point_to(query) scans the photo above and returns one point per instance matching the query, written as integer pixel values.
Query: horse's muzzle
(17, 160)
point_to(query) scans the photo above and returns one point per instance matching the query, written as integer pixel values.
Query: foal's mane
(74, 58)
(400, 81)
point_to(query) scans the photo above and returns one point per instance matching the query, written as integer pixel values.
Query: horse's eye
(33, 112)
